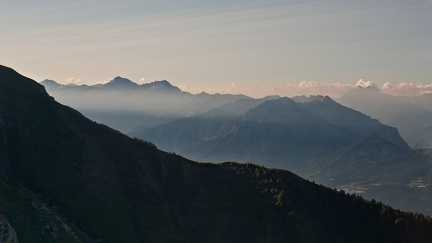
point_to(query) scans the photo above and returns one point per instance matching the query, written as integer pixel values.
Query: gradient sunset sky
(202, 44)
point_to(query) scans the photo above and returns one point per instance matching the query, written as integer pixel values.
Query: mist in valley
(366, 139)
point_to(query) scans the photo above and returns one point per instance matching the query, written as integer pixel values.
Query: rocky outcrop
(7, 233)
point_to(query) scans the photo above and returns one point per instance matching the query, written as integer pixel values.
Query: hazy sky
(220, 43)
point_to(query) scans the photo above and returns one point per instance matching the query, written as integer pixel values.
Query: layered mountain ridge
(315, 137)
(118, 189)
(271, 132)
(128, 106)
(213, 128)
(116, 83)
(411, 115)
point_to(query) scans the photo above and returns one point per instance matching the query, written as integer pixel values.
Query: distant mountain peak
(120, 83)
(163, 82)
(275, 110)
(162, 85)
(50, 84)
(283, 103)
(120, 80)
(49, 81)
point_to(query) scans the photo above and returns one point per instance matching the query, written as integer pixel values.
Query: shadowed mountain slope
(316, 138)
(31, 218)
(351, 120)
(277, 132)
(411, 115)
(119, 189)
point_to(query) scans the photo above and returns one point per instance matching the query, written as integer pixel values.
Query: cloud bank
(407, 89)
(334, 90)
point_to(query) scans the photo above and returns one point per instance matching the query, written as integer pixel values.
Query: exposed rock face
(7, 233)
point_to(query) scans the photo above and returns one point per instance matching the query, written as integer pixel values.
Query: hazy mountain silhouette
(220, 122)
(315, 137)
(127, 106)
(118, 83)
(411, 115)
(278, 132)
(349, 119)
(51, 84)
(119, 189)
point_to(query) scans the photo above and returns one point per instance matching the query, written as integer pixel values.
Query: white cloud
(142, 80)
(73, 81)
(365, 84)
(406, 89)
(334, 90)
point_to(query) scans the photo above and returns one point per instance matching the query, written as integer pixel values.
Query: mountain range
(278, 132)
(69, 179)
(314, 136)
(128, 106)
(132, 108)
(411, 115)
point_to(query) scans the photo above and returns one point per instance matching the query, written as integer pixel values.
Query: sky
(260, 47)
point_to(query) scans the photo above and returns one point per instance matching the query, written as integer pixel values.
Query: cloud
(142, 80)
(365, 84)
(407, 89)
(334, 90)
(73, 81)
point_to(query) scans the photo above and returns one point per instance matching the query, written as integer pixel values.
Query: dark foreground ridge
(75, 180)
(7, 233)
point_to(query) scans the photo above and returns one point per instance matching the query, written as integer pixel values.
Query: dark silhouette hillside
(119, 189)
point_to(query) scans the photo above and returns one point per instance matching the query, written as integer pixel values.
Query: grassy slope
(124, 190)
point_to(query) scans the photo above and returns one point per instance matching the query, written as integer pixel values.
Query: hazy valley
(315, 136)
